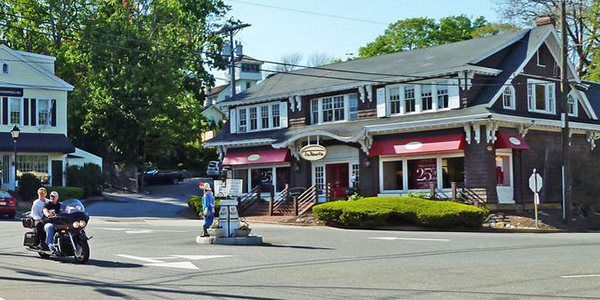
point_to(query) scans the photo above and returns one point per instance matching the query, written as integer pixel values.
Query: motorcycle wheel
(82, 253)
(44, 255)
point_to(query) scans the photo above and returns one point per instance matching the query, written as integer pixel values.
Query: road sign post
(535, 184)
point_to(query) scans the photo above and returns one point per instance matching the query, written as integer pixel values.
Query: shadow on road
(294, 247)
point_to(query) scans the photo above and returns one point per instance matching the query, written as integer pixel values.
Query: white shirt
(37, 209)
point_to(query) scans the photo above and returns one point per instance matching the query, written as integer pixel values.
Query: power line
(311, 12)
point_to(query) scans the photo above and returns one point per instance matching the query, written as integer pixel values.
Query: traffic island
(245, 241)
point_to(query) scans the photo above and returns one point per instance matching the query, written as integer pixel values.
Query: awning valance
(37, 142)
(272, 156)
(513, 141)
(418, 145)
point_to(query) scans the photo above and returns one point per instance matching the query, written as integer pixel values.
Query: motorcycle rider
(50, 210)
(37, 213)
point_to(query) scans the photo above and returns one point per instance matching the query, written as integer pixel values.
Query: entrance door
(504, 178)
(57, 173)
(337, 178)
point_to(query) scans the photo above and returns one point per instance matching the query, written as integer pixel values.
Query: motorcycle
(69, 237)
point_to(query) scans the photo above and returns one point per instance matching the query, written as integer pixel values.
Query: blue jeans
(49, 229)
(208, 220)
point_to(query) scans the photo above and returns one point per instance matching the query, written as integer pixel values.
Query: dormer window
(250, 68)
(5, 68)
(572, 102)
(538, 58)
(508, 97)
(540, 96)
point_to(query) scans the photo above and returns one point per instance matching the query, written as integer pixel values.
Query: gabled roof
(421, 62)
(59, 84)
(593, 95)
(217, 89)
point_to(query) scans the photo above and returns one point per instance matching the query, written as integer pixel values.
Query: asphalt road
(143, 254)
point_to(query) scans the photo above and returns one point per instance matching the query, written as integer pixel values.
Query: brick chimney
(545, 20)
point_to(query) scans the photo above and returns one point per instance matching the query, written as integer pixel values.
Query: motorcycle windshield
(72, 206)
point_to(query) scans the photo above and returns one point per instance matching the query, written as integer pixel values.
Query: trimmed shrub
(66, 192)
(378, 211)
(28, 185)
(195, 204)
(89, 177)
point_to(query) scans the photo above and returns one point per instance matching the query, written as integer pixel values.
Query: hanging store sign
(313, 152)
(12, 92)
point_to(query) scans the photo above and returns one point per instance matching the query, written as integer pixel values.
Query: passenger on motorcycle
(37, 213)
(51, 209)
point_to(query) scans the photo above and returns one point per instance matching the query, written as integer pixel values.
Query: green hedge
(89, 177)
(66, 192)
(195, 203)
(378, 211)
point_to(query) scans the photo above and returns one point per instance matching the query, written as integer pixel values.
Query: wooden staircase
(280, 204)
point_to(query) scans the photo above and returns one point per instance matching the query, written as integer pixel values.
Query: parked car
(162, 177)
(213, 169)
(8, 205)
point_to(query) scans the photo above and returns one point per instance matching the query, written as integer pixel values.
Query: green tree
(416, 33)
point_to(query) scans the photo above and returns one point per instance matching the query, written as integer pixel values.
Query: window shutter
(381, 103)
(53, 112)
(453, 94)
(33, 116)
(283, 114)
(26, 112)
(233, 120)
(5, 110)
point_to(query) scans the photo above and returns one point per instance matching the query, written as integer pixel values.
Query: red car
(8, 205)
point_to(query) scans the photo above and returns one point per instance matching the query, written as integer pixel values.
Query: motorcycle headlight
(76, 224)
(82, 223)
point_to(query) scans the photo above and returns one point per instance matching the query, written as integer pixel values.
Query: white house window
(275, 115)
(508, 97)
(248, 84)
(320, 178)
(353, 106)
(251, 68)
(395, 100)
(34, 164)
(426, 98)
(442, 96)
(355, 175)
(243, 123)
(5, 68)
(330, 109)
(264, 116)
(409, 99)
(43, 107)
(538, 59)
(540, 96)
(253, 118)
(15, 110)
(572, 105)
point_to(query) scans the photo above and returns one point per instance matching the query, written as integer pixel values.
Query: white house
(33, 99)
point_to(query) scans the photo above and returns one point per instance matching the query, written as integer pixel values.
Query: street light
(15, 132)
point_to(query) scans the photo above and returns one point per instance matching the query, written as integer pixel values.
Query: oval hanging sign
(313, 152)
(253, 157)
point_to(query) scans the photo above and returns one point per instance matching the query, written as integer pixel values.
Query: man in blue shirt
(208, 207)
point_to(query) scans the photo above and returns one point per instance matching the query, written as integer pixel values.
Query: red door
(337, 178)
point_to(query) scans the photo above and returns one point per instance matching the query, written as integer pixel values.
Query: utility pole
(232, 31)
(566, 168)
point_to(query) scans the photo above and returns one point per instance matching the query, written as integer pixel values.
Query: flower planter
(217, 232)
(242, 232)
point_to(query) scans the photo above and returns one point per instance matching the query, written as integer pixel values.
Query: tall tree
(583, 18)
(319, 59)
(415, 33)
(289, 62)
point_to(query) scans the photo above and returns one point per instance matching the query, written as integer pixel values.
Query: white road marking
(137, 231)
(158, 261)
(409, 239)
(580, 276)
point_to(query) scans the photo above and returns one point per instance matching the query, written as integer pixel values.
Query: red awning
(514, 141)
(419, 145)
(262, 157)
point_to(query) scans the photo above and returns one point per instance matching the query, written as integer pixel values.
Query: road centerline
(390, 238)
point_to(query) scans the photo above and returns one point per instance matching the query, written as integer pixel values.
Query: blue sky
(276, 32)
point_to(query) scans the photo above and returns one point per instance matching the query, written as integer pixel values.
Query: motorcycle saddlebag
(28, 222)
(29, 239)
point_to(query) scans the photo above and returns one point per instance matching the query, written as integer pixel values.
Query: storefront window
(421, 172)
(261, 176)
(283, 178)
(355, 176)
(503, 170)
(243, 175)
(392, 175)
(453, 170)
(34, 164)
(320, 179)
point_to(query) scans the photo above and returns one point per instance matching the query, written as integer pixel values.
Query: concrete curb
(242, 241)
